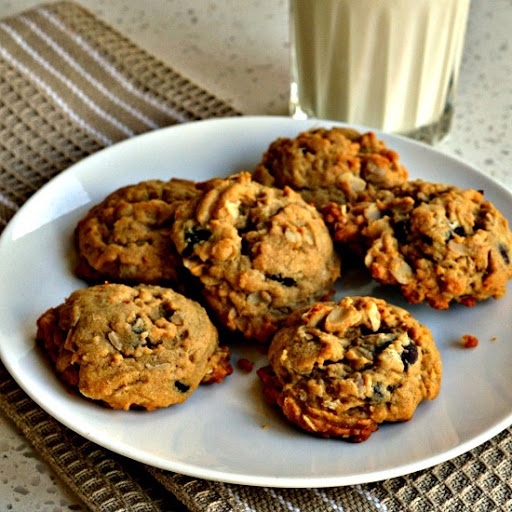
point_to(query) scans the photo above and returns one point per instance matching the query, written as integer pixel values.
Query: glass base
(435, 132)
(432, 133)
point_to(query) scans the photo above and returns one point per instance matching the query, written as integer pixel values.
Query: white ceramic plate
(226, 432)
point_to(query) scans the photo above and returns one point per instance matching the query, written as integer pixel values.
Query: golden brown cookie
(143, 346)
(337, 164)
(258, 252)
(338, 369)
(125, 238)
(437, 242)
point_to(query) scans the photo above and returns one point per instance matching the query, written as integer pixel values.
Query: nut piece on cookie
(143, 346)
(258, 252)
(339, 369)
(437, 243)
(337, 164)
(125, 238)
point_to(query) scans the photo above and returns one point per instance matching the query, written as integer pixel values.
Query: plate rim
(238, 478)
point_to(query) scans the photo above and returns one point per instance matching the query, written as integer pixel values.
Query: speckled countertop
(239, 51)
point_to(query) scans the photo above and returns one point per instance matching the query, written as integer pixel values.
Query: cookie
(339, 369)
(143, 346)
(437, 243)
(337, 164)
(125, 238)
(259, 252)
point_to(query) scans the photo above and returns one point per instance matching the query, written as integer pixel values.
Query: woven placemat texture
(69, 86)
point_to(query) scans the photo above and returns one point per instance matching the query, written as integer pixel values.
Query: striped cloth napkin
(69, 86)
(75, 86)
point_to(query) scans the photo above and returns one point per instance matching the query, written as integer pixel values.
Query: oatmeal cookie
(340, 369)
(437, 242)
(337, 164)
(258, 252)
(126, 239)
(143, 346)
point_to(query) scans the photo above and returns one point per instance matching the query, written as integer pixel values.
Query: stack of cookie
(138, 336)
(436, 242)
(133, 341)
(339, 369)
(170, 263)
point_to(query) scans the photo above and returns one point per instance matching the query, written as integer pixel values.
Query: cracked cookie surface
(125, 238)
(338, 369)
(437, 242)
(143, 346)
(336, 164)
(259, 252)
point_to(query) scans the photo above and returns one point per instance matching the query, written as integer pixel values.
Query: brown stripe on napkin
(101, 479)
(37, 138)
(69, 86)
(232, 497)
(479, 480)
(84, 103)
(181, 96)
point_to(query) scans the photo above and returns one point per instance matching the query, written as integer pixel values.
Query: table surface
(239, 51)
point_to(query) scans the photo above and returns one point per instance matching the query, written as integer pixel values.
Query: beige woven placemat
(69, 86)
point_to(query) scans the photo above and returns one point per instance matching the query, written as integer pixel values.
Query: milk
(389, 64)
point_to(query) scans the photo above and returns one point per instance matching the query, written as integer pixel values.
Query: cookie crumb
(264, 425)
(494, 338)
(469, 341)
(245, 365)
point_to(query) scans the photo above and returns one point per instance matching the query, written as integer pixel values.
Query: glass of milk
(388, 64)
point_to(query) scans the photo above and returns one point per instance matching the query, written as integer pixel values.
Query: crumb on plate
(245, 365)
(469, 341)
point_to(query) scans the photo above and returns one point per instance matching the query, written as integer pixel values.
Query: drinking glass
(392, 65)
